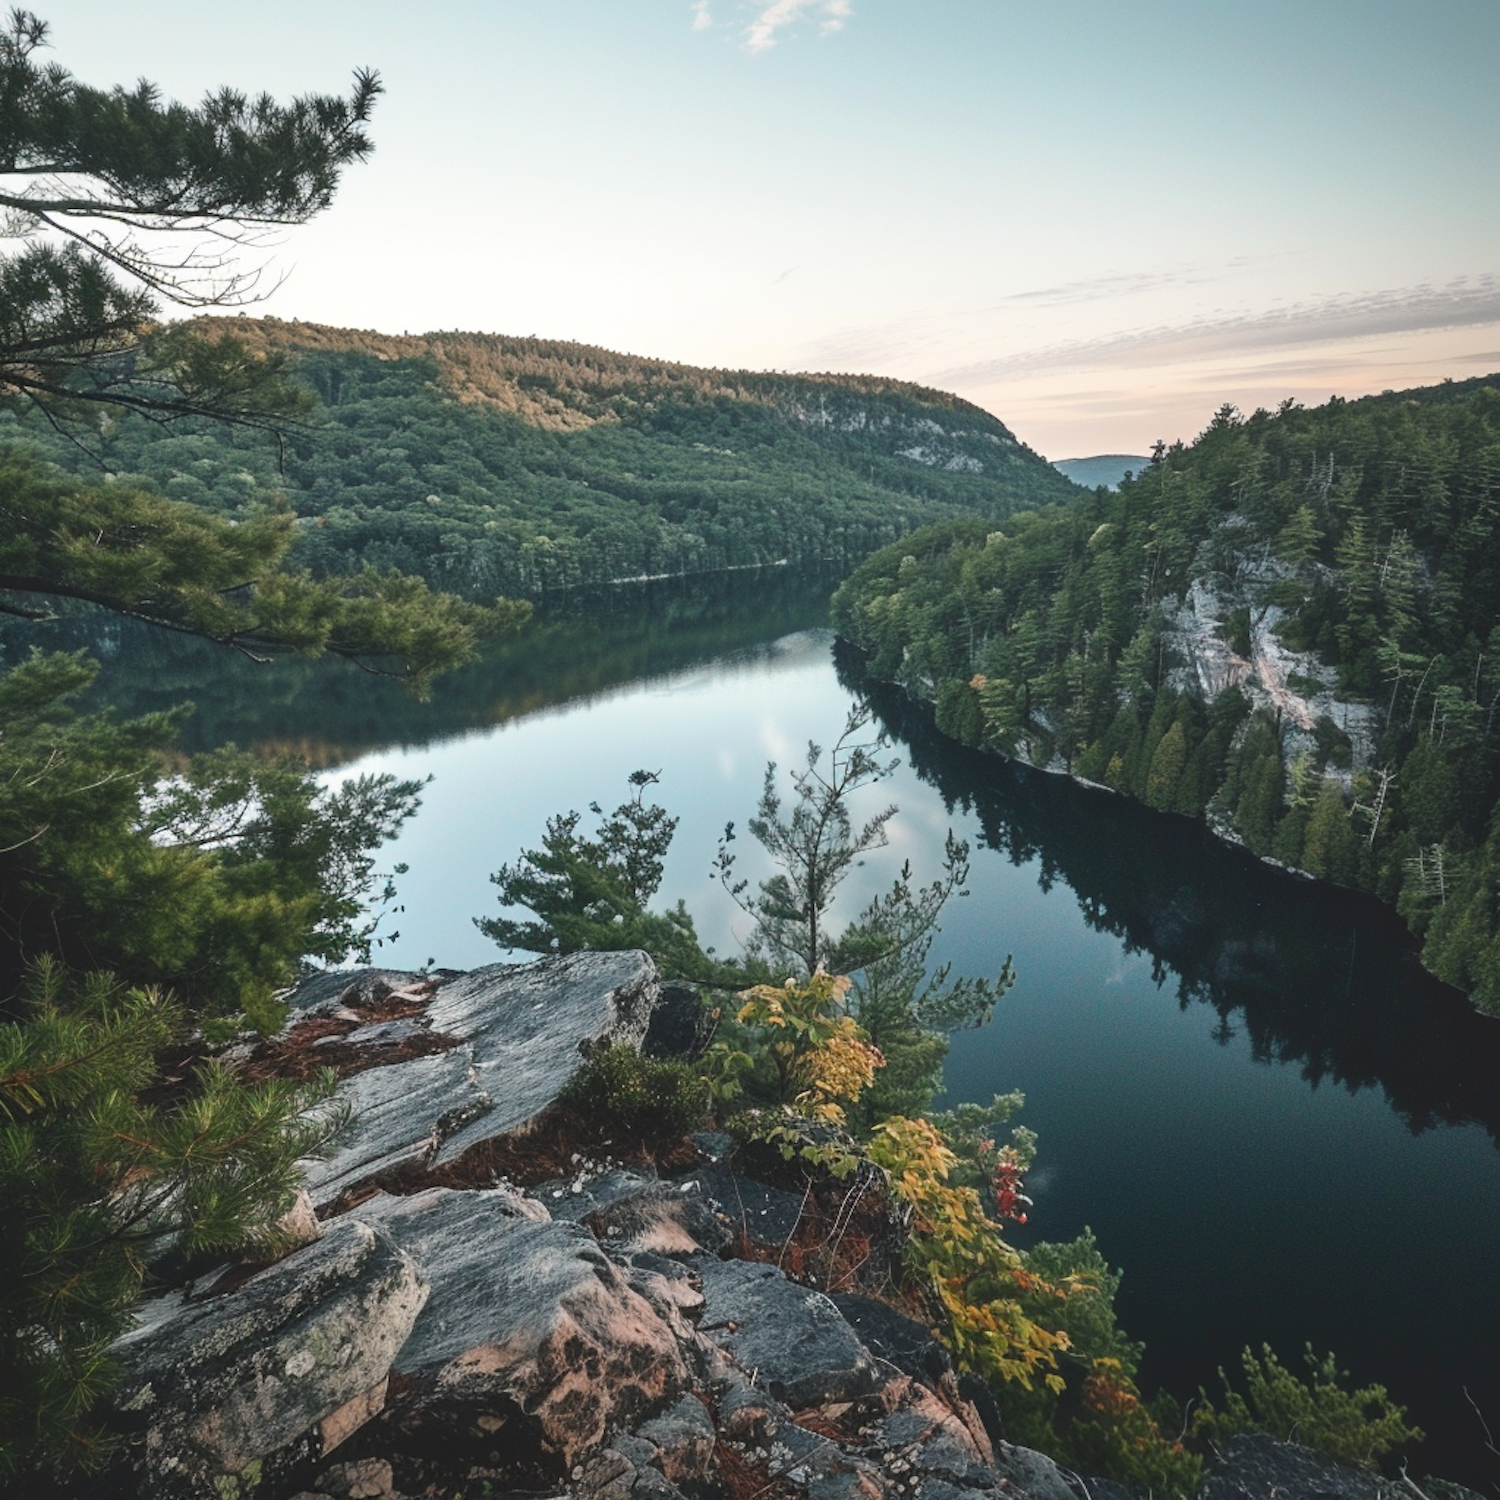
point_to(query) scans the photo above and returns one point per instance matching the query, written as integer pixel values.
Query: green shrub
(638, 1093)
(1356, 1426)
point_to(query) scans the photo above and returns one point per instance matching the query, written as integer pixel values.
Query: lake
(1277, 1125)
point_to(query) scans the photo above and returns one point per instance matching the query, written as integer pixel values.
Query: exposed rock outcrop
(282, 1369)
(517, 1033)
(633, 1328)
(575, 1332)
(1257, 1467)
(533, 1335)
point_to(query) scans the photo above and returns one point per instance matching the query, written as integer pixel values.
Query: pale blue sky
(1097, 220)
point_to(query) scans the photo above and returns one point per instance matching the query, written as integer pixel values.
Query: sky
(1099, 221)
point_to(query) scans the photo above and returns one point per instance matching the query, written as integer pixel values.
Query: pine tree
(815, 847)
(122, 199)
(1330, 849)
(1167, 763)
(98, 1184)
(173, 565)
(1299, 540)
(593, 893)
(136, 907)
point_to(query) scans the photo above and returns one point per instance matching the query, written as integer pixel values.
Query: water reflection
(327, 713)
(1314, 975)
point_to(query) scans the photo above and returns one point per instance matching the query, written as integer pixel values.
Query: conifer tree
(121, 200)
(136, 907)
(97, 1183)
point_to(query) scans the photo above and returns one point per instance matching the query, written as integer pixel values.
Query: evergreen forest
(1286, 628)
(492, 465)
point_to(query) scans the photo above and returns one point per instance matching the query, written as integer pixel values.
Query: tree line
(1287, 629)
(491, 466)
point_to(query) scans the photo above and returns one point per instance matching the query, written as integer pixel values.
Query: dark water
(1278, 1126)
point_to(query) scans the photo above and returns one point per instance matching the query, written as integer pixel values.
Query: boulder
(904, 1342)
(530, 1027)
(629, 1213)
(523, 1030)
(532, 1339)
(1254, 1466)
(335, 990)
(791, 1340)
(684, 1439)
(286, 1366)
(1036, 1475)
(925, 1434)
(763, 1218)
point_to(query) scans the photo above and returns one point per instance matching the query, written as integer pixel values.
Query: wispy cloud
(829, 15)
(884, 346)
(1129, 283)
(1096, 288)
(1465, 303)
(702, 19)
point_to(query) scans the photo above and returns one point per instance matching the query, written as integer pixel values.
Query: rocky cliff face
(497, 1296)
(1297, 687)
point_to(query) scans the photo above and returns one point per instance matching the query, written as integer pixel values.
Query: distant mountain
(1107, 469)
(496, 465)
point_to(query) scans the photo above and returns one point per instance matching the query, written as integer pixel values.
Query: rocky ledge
(495, 1296)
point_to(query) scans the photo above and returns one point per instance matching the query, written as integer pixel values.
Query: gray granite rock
(397, 1115)
(529, 1325)
(377, 1035)
(524, 1028)
(1036, 1475)
(333, 989)
(764, 1217)
(297, 1357)
(629, 1213)
(793, 1341)
(1257, 1467)
(925, 1487)
(530, 1028)
(684, 1439)
(906, 1343)
(865, 1483)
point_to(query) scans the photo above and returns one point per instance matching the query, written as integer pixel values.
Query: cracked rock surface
(520, 1032)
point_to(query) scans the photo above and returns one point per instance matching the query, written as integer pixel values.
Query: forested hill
(1290, 629)
(514, 465)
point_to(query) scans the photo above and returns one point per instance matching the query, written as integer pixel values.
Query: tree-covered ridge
(492, 465)
(1290, 628)
(565, 385)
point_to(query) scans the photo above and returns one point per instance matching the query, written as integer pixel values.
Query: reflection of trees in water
(1312, 974)
(327, 713)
